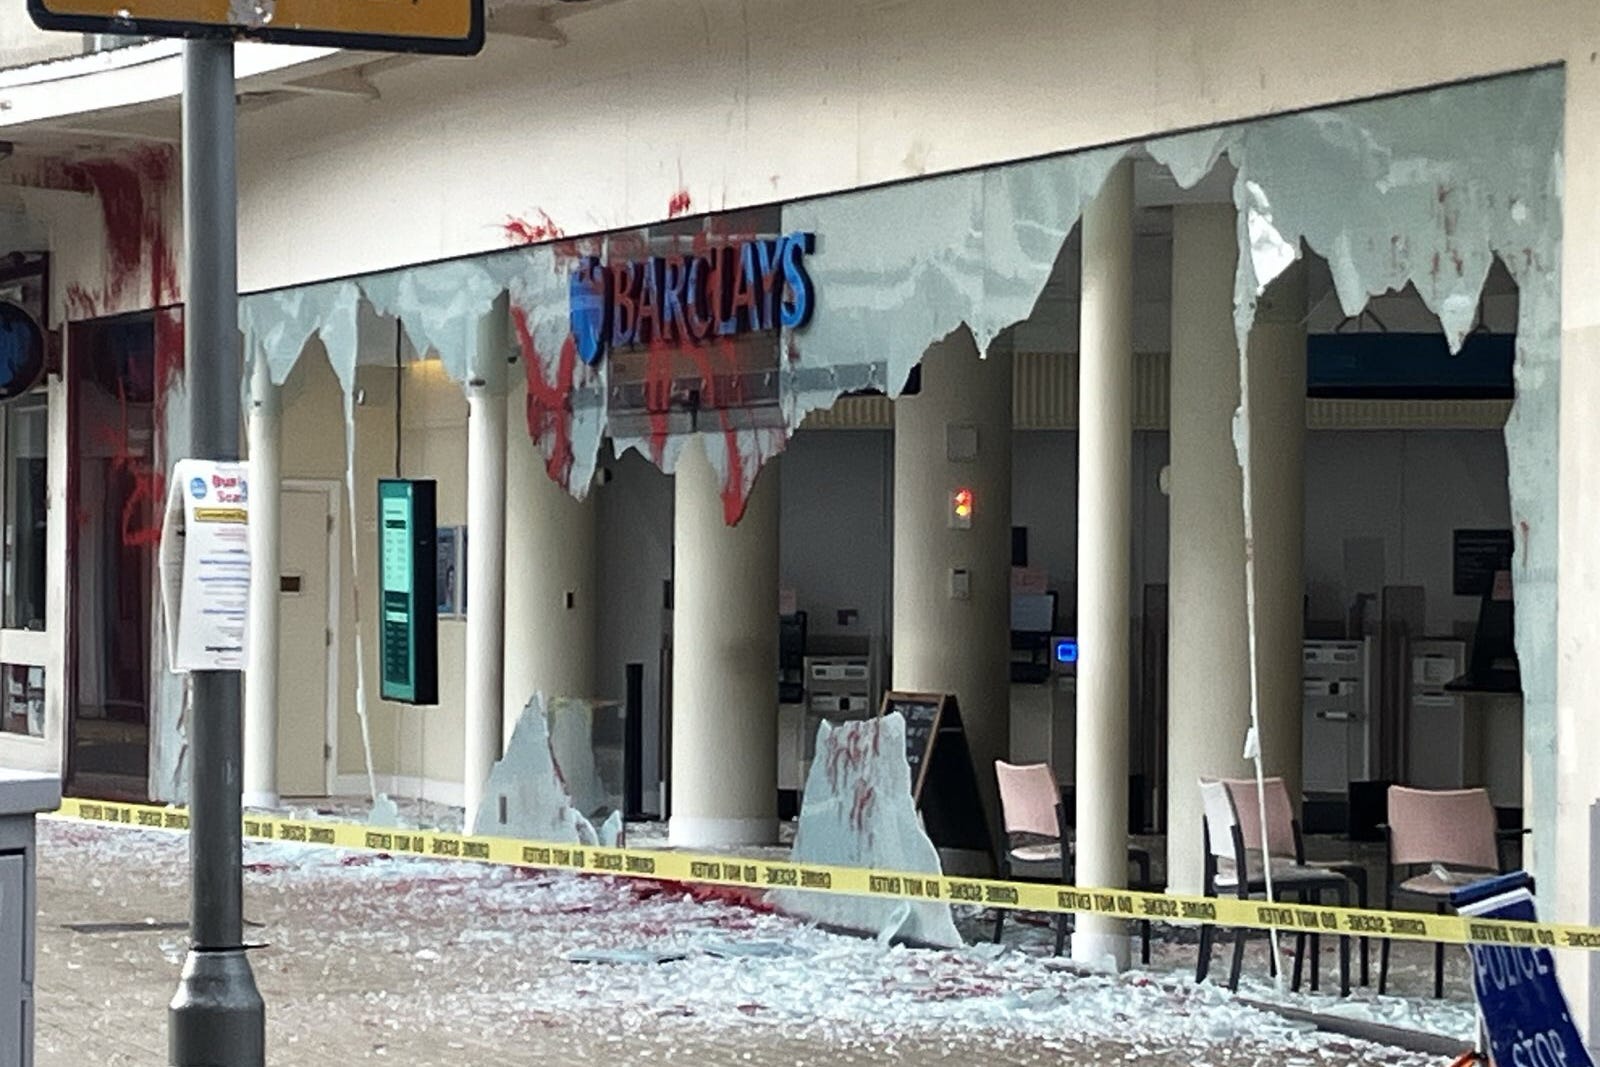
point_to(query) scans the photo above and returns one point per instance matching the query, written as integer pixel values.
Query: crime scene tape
(767, 874)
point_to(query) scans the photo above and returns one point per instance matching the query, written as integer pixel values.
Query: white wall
(738, 102)
(744, 102)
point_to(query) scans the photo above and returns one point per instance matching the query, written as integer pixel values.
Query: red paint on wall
(144, 511)
(133, 192)
(149, 497)
(531, 230)
(81, 303)
(679, 204)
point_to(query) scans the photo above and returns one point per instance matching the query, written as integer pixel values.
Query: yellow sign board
(448, 27)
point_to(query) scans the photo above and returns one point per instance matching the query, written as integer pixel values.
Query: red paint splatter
(133, 191)
(360, 859)
(862, 805)
(712, 375)
(735, 495)
(527, 231)
(150, 484)
(81, 303)
(732, 895)
(141, 525)
(847, 751)
(549, 403)
(679, 204)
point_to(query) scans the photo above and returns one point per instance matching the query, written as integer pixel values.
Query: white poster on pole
(205, 566)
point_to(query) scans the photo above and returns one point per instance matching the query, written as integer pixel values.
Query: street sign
(445, 27)
(1523, 1009)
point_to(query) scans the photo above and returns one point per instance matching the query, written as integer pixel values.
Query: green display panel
(408, 621)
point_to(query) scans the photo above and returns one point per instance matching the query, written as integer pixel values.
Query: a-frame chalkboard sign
(944, 783)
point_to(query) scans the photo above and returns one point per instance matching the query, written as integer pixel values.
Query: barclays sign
(745, 286)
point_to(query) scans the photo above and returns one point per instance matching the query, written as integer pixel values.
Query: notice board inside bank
(944, 782)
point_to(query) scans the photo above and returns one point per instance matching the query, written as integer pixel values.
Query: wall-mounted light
(961, 508)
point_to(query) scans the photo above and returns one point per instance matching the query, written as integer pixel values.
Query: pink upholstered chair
(1035, 832)
(1038, 847)
(1453, 831)
(1236, 864)
(1288, 844)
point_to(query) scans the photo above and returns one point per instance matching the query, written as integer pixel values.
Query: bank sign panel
(745, 286)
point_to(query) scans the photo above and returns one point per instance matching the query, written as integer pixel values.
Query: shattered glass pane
(1426, 189)
(900, 268)
(441, 304)
(278, 325)
(566, 398)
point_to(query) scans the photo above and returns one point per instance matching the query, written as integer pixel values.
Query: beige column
(1105, 535)
(1208, 657)
(725, 662)
(1277, 456)
(550, 577)
(486, 554)
(265, 435)
(952, 585)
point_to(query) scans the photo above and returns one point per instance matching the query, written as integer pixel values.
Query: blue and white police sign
(1523, 1008)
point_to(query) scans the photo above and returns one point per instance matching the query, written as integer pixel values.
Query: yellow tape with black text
(764, 874)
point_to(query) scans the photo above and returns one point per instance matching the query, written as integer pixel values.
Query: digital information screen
(408, 624)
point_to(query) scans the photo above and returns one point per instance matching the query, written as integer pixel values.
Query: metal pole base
(217, 1018)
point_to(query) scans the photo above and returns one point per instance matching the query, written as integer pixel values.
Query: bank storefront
(863, 387)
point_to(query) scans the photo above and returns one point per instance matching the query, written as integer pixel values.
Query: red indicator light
(961, 507)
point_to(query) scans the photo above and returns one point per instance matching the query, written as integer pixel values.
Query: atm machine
(1338, 739)
(1443, 744)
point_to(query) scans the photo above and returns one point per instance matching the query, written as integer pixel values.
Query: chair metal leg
(1438, 966)
(1344, 966)
(1144, 942)
(1299, 953)
(1315, 948)
(1383, 968)
(1344, 949)
(999, 923)
(1238, 961)
(1202, 964)
(1299, 961)
(1061, 933)
(1361, 901)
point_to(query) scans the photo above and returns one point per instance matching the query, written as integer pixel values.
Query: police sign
(445, 27)
(1523, 1008)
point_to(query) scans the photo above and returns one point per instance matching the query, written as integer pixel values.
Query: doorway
(308, 616)
(115, 493)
